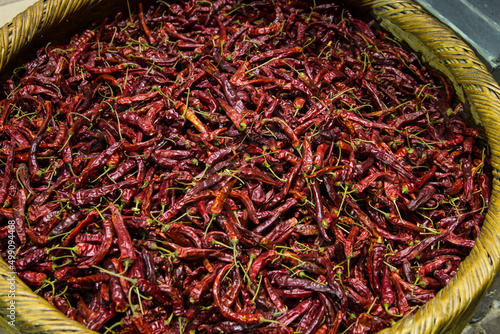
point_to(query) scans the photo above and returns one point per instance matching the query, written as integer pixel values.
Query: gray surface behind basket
(478, 23)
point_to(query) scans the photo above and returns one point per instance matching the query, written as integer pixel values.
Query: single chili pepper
(122, 169)
(302, 283)
(275, 214)
(127, 249)
(36, 89)
(84, 249)
(246, 318)
(98, 163)
(219, 155)
(285, 127)
(253, 32)
(190, 116)
(297, 262)
(238, 119)
(290, 177)
(254, 173)
(131, 117)
(18, 213)
(61, 303)
(222, 196)
(202, 286)
(149, 264)
(33, 166)
(39, 240)
(318, 207)
(402, 302)
(276, 54)
(385, 157)
(206, 99)
(260, 263)
(144, 26)
(88, 280)
(22, 174)
(242, 195)
(364, 219)
(32, 278)
(105, 246)
(117, 295)
(484, 184)
(456, 188)
(151, 290)
(468, 179)
(273, 295)
(48, 115)
(30, 259)
(280, 229)
(66, 223)
(64, 273)
(101, 319)
(361, 289)
(386, 293)
(5, 107)
(330, 313)
(230, 225)
(190, 253)
(90, 195)
(412, 251)
(423, 196)
(294, 313)
(295, 293)
(375, 263)
(404, 224)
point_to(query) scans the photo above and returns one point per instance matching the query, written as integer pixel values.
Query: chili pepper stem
(209, 224)
(133, 281)
(110, 328)
(386, 308)
(264, 320)
(258, 288)
(129, 298)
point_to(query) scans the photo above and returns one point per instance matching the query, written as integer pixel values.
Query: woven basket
(449, 312)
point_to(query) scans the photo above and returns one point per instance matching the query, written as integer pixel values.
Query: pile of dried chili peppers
(237, 167)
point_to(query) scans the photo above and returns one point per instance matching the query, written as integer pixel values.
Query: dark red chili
(127, 249)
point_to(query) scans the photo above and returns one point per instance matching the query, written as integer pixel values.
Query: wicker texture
(452, 308)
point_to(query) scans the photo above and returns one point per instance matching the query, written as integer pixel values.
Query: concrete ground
(486, 319)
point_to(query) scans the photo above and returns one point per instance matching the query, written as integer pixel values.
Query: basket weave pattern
(453, 306)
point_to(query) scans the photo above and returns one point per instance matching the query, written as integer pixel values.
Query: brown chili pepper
(127, 249)
(105, 246)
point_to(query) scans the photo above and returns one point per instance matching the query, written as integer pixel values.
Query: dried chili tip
(222, 196)
(190, 116)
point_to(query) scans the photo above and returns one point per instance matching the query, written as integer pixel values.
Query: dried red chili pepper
(246, 147)
(247, 318)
